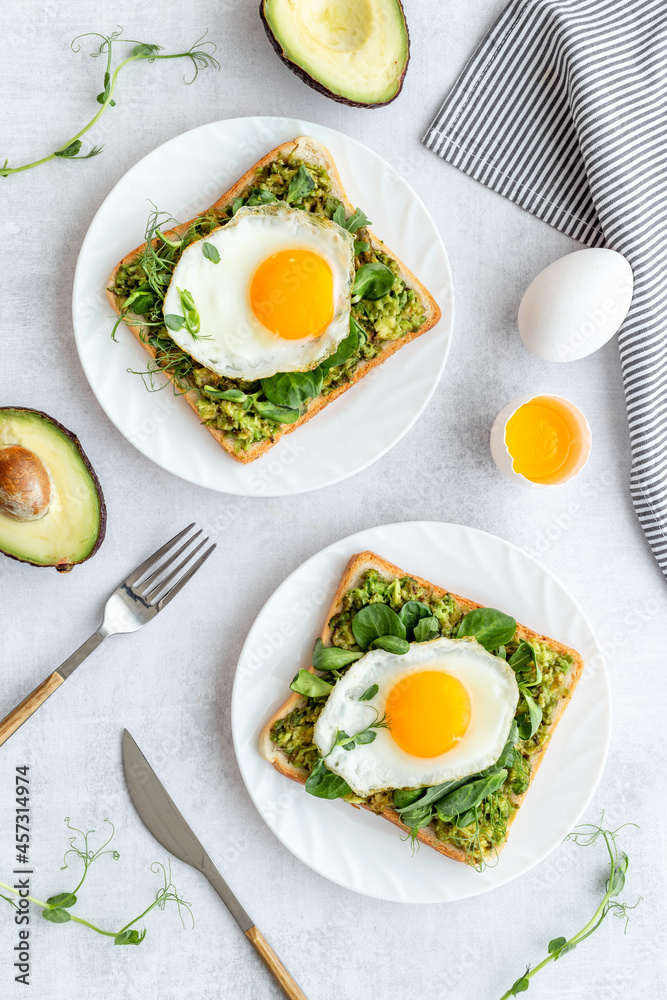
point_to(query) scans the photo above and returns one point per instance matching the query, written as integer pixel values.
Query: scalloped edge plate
(351, 846)
(186, 175)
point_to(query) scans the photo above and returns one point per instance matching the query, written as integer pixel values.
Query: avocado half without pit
(52, 510)
(354, 51)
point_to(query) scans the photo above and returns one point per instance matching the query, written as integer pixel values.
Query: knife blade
(162, 817)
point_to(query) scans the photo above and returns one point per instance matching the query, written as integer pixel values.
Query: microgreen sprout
(57, 908)
(200, 54)
(586, 836)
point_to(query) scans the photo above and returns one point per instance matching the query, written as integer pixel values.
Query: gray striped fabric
(563, 109)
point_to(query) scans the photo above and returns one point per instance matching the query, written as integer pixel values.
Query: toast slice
(353, 577)
(308, 151)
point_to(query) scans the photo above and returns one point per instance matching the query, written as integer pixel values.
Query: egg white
(231, 340)
(493, 691)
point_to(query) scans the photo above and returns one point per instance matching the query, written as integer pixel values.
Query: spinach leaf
(406, 796)
(369, 693)
(412, 612)
(523, 658)
(469, 795)
(269, 410)
(507, 756)
(292, 388)
(361, 246)
(235, 395)
(467, 818)
(332, 657)
(529, 724)
(491, 628)
(310, 685)
(236, 205)
(345, 349)
(210, 252)
(427, 629)
(324, 784)
(301, 184)
(430, 796)
(140, 301)
(392, 643)
(261, 197)
(373, 621)
(372, 281)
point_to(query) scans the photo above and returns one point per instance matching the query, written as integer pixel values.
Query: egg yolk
(544, 440)
(291, 294)
(428, 713)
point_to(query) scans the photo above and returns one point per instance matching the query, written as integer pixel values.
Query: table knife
(159, 813)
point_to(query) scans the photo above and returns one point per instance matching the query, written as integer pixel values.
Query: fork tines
(162, 569)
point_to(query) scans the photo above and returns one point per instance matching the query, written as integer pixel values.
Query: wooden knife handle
(288, 985)
(18, 716)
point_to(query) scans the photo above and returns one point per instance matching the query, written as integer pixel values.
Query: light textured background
(170, 684)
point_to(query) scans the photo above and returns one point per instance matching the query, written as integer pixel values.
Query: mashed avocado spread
(488, 831)
(142, 284)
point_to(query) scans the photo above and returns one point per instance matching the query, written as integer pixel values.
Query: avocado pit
(25, 486)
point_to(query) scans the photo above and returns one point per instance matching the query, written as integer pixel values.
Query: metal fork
(133, 604)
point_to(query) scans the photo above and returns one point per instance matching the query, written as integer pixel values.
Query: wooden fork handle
(18, 716)
(288, 985)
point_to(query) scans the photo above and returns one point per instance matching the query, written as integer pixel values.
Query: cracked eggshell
(576, 304)
(500, 451)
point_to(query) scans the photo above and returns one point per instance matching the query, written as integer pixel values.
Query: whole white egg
(575, 305)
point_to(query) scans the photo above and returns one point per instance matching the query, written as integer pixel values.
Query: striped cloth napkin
(563, 109)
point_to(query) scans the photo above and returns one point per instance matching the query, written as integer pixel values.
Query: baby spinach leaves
(375, 621)
(369, 693)
(427, 629)
(310, 685)
(392, 644)
(523, 661)
(301, 185)
(260, 197)
(346, 348)
(412, 612)
(234, 395)
(237, 204)
(324, 784)
(469, 795)
(491, 628)
(327, 658)
(272, 411)
(404, 797)
(292, 388)
(372, 281)
(211, 252)
(529, 721)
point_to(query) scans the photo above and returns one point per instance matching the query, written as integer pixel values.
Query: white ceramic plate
(186, 175)
(351, 846)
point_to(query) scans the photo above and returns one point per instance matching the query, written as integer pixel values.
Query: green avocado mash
(388, 318)
(481, 838)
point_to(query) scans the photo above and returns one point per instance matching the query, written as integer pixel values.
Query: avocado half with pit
(353, 51)
(52, 510)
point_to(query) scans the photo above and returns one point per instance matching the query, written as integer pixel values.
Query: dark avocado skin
(315, 84)
(66, 567)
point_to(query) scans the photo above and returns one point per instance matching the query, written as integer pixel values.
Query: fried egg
(449, 706)
(278, 299)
